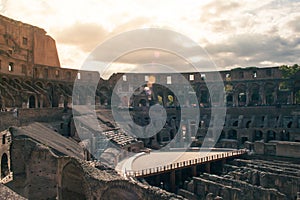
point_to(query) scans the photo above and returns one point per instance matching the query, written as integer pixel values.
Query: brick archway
(121, 190)
(73, 183)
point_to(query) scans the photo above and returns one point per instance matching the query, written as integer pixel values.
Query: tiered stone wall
(247, 179)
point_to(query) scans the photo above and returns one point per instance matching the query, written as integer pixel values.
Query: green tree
(289, 71)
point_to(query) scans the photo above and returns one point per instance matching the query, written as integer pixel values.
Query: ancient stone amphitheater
(49, 153)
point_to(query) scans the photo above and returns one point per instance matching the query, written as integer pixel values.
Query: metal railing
(182, 164)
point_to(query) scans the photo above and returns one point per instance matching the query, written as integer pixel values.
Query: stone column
(265, 136)
(41, 101)
(207, 168)
(194, 170)
(235, 99)
(262, 95)
(172, 181)
(36, 102)
(275, 95)
(247, 96)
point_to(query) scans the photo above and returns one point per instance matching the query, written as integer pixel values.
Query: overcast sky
(234, 33)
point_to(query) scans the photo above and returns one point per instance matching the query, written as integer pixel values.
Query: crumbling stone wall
(25, 116)
(35, 169)
(41, 172)
(247, 179)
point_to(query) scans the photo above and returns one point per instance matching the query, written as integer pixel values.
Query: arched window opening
(4, 166)
(31, 101)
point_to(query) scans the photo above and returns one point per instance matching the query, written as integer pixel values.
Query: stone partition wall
(24, 116)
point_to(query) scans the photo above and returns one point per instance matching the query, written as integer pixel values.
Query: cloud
(295, 24)
(85, 36)
(215, 9)
(235, 32)
(255, 49)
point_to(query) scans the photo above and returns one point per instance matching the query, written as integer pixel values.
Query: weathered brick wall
(41, 174)
(25, 116)
(232, 189)
(288, 149)
(8, 119)
(35, 170)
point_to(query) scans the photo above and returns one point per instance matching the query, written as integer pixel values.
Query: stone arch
(255, 98)
(17, 80)
(159, 97)
(31, 101)
(248, 124)
(61, 101)
(26, 81)
(241, 94)
(104, 95)
(297, 95)
(229, 99)
(4, 165)
(171, 99)
(289, 124)
(125, 101)
(121, 190)
(81, 90)
(235, 123)
(271, 135)
(222, 136)
(50, 93)
(40, 84)
(142, 102)
(258, 135)
(269, 90)
(215, 95)
(284, 135)
(232, 134)
(4, 79)
(73, 183)
(204, 95)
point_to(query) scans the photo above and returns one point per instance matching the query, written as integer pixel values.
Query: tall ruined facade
(30, 71)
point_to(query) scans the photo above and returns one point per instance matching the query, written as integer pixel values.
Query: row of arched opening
(258, 135)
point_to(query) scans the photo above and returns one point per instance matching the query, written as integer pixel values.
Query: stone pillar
(247, 96)
(227, 121)
(251, 135)
(223, 162)
(165, 99)
(194, 170)
(235, 99)
(240, 121)
(172, 181)
(277, 136)
(279, 121)
(275, 95)
(265, 136)
(41, 101)
(295, 122)
(207, 168)
(36, 102)
(262, 95)
(266, 121)
(298, 195)
(157, 180)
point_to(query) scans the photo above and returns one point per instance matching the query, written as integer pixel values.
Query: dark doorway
(4, 166)
(31, 102)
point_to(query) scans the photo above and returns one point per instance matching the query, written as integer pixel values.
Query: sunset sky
(234, 33)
